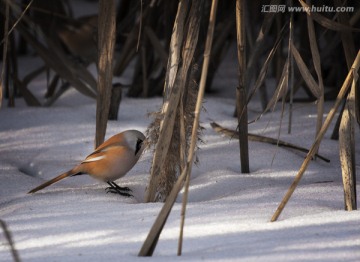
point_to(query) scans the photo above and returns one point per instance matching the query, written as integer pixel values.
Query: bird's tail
(71, 172)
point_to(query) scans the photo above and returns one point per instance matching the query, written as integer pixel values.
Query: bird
(109, 162)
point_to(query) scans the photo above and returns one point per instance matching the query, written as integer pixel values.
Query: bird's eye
(138, 145)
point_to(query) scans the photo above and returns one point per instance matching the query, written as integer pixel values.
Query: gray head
(135, 139)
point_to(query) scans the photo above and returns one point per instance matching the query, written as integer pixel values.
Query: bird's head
(135, 139)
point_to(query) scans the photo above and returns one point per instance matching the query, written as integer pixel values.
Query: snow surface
(228, 212)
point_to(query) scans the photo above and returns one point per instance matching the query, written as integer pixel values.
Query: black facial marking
(138, 145)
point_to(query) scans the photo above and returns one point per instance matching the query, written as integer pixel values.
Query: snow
(228, 215)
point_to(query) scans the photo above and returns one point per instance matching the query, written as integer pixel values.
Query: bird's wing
(94, 157)
(100, 152)
(112, 141)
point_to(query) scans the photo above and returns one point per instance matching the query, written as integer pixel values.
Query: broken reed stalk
(150, 243)
(263, 71)
(204, 71)
(305, 72)
(165, 130)
(290, 68)
(241, 97)
(9, 239)
(20, 17)
(145, 79)
(350, 52)
(171, 101)
(291, 72)
(347, 149)
(317, 65)
(259, 45)
(347, 122)
(327, 22)
(152, 238)
(11, 74)
(343, 91)
(106, 43)
(156, 44)
(5, 48)
(140, 26)
(183, 160)
(259, 138)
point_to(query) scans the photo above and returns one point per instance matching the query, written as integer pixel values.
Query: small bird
(109, 162)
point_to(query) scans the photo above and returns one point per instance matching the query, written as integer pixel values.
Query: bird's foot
(116, 189)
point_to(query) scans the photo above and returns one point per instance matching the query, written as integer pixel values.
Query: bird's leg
(116, 189)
